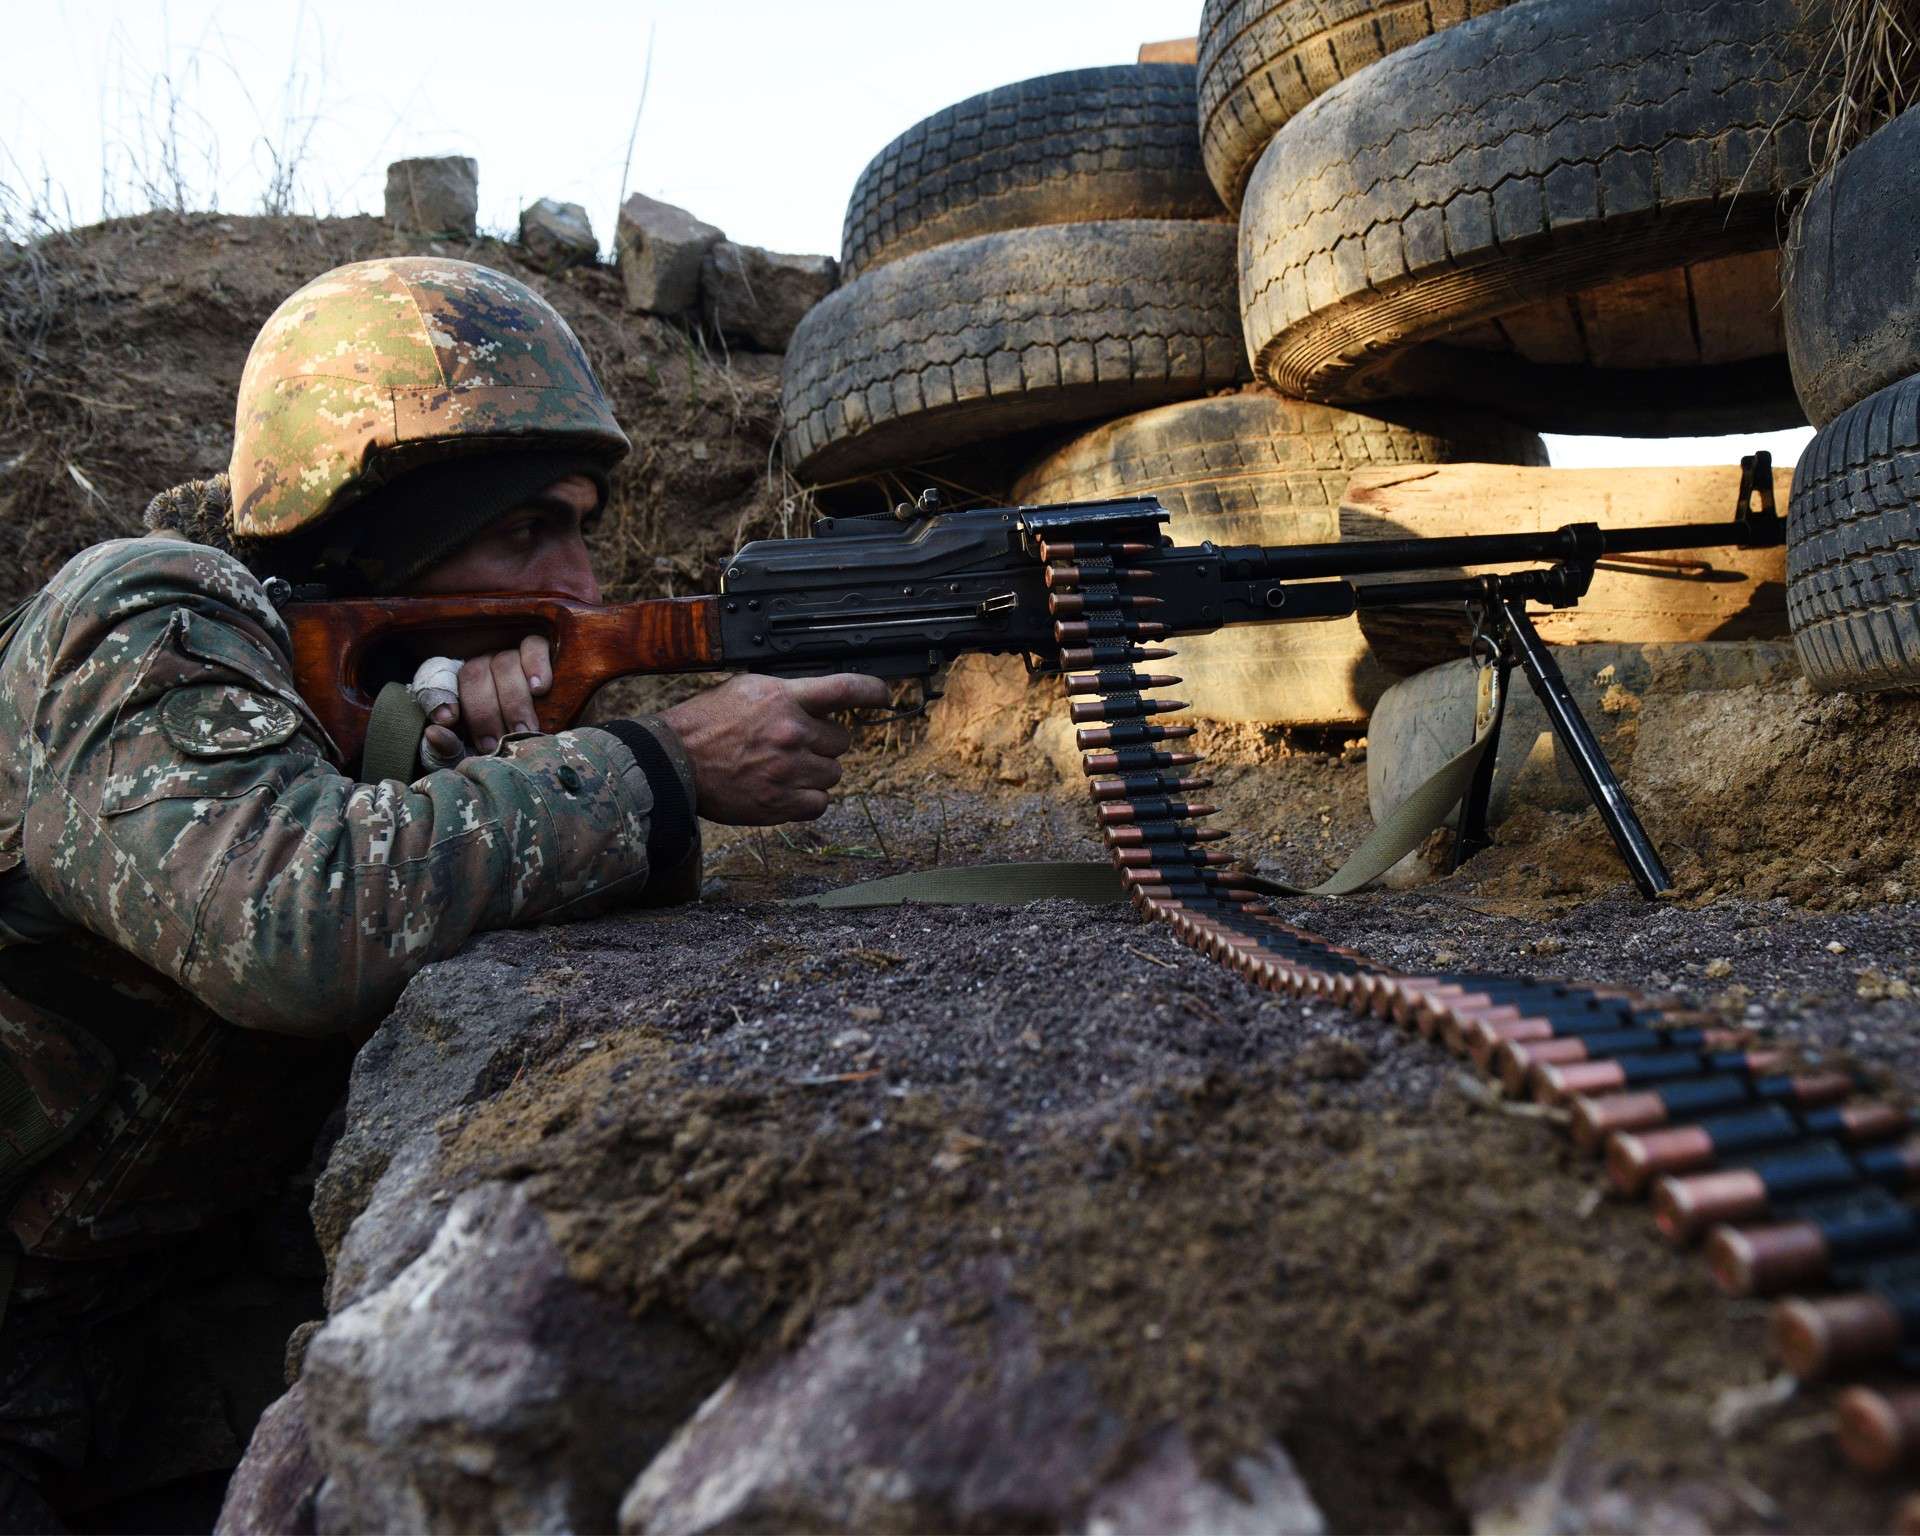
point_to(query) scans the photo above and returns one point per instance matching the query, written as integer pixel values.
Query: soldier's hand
(497, 691)
(764, 749)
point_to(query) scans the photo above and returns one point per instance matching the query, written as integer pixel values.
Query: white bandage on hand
(436, 682)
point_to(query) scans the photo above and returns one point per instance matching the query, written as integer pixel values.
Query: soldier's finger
(479, 703)
(807, 804)
(516, 699)
(536, 660)
(829, 738)
(812, 772)
(841, 690)
(443, 745)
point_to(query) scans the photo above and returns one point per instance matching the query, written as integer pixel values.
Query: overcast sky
(758, 114)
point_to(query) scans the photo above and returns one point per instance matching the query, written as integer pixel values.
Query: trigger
(903, 709)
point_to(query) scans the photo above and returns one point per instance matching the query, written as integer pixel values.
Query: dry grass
(1872, 49)
(49, 417)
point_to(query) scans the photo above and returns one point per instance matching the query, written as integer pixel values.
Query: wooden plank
(1640, 322)
(1700, 594)
(1546, 333)
(1179, 50)
(1738, 301)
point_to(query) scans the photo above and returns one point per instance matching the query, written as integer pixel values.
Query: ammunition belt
(1790, 1180)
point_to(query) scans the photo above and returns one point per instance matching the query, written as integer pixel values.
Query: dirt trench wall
(978, 1219)
(1756, 792)
(121, 347)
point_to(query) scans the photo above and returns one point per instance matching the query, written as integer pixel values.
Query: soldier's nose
(564, 567)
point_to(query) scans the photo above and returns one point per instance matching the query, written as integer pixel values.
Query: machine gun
(1087, 585)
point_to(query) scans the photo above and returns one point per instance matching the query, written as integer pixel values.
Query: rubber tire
(1536, 153)
(1853, 546)
(1425, 720)
(986, 337)
(1261, 61)
(1256, 468)
(1072, 148)
(1853, 275)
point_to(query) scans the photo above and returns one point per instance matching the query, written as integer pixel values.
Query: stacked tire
(1256, 468)
(1853, 333)
(1563, 210)
(1044, 254)
(1054, 253)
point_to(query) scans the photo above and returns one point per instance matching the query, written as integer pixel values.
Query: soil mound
(1219, 1214)
(121, 346)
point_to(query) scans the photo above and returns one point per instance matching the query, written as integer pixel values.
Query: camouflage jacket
(200, 913)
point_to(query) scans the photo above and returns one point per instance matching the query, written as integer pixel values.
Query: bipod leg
(1473, 835)
(1578, 741)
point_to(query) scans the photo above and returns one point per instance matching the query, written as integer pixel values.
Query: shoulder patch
(221, 720)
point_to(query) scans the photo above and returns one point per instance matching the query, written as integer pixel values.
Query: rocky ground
(751, 1216)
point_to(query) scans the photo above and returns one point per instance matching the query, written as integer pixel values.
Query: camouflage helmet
(377, 367)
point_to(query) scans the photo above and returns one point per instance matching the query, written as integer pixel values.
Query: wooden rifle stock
(336, 641)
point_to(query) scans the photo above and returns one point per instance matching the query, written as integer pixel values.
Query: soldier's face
(540, 547)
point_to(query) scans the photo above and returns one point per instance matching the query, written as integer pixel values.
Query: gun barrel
(1574, 541)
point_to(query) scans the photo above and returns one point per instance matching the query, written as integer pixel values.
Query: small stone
(295, 1359)
(1336, 1060)
(439, 195)
(1871, 986)
(556, 235)
(1547, 944)
(851, 1040)
(757, 297)
(955, 1152)
(661, 248)
(1835, 947)
(1718, 970)
(866, 1013)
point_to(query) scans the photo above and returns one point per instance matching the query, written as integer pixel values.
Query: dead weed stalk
(1872, 51)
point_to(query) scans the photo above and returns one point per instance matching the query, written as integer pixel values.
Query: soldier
(201, 911)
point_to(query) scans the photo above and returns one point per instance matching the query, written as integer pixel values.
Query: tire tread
(1529, 153)
(958, 345)
(1853, 546)
(1087, 144)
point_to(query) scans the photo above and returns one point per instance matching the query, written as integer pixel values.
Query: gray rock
(455, 1037)
(661, 249)
(884, 1420)
(435, 196)
(401, 1216)
(274, 1488)
(556, 235)
(483, 1388)
(757, 296)
(1164, 1494)
(1583, 1493)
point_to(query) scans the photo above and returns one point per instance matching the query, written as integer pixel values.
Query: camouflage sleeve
(183, 806)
